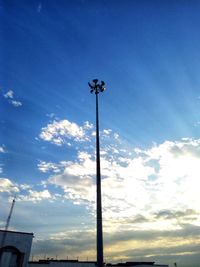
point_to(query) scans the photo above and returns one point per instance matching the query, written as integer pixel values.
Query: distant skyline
(148, 53)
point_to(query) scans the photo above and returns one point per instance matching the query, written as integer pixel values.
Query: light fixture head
(96, 87)
(95, 81)
(90, 85)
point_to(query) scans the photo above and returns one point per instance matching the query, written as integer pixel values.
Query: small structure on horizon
(76, 263)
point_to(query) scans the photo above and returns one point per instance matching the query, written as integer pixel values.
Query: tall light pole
(98, 88)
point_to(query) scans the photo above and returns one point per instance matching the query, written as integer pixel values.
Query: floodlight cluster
(97, 87)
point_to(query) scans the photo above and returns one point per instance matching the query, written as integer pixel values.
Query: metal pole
(99, 206)
(97, 88)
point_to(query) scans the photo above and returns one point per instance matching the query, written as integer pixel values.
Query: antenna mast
(7, 223)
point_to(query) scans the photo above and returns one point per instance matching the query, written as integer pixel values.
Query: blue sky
(147, 52)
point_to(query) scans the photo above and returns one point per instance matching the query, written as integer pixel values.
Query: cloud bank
(151, 204)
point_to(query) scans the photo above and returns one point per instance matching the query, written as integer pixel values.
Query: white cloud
(178, 173)
(49, 166)
(88, 125)
(9, 94)
(2, 149)
(77, 179)
(16, 103)
(109, 135)
(164, 177)
(116, 136)
(134, 181)
(7, 186)
(107, 131)
(25, 186)
(142, 191)
(121, 184)
(59, 132)
(36, 196)
(93, 133)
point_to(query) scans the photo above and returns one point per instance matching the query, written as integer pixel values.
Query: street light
(98, 88)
